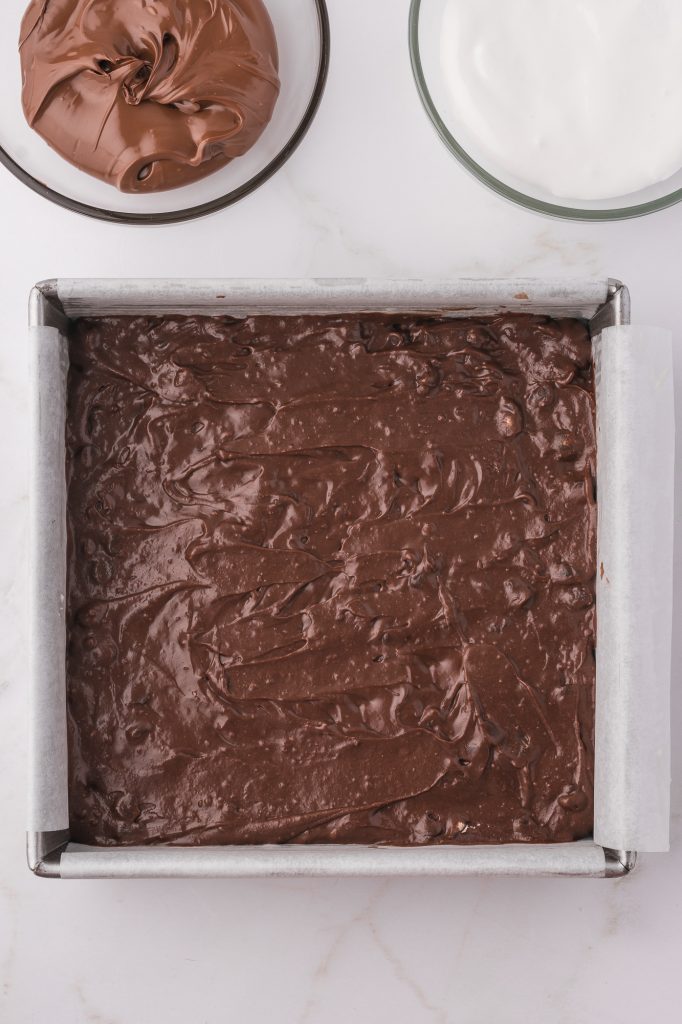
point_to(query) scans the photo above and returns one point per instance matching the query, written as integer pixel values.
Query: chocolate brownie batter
(331, 579)
(148, 96)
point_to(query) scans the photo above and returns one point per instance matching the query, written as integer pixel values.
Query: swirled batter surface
(149, 96)
(331, 579)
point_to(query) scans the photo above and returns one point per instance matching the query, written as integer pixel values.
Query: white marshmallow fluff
(579, 98)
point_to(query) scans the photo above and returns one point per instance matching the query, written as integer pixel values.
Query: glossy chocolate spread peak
(149, 96)
(331, 579)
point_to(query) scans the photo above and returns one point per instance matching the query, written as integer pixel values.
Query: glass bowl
(426, 18)
(302, 29)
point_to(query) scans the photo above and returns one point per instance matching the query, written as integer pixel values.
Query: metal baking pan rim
(52, 855)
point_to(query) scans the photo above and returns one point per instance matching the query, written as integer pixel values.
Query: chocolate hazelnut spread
(149, 96)
(331, 579)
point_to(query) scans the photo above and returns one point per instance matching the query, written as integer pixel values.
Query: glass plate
(302, 29)
(426, 18)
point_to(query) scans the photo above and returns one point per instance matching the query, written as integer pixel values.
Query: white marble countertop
(371, 192)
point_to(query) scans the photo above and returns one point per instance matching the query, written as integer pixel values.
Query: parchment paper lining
(635, 482)
(48, 808)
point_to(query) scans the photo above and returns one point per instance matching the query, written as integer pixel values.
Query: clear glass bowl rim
(550, 209)
(201, 209)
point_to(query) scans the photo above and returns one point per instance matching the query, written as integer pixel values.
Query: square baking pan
(53, 304)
